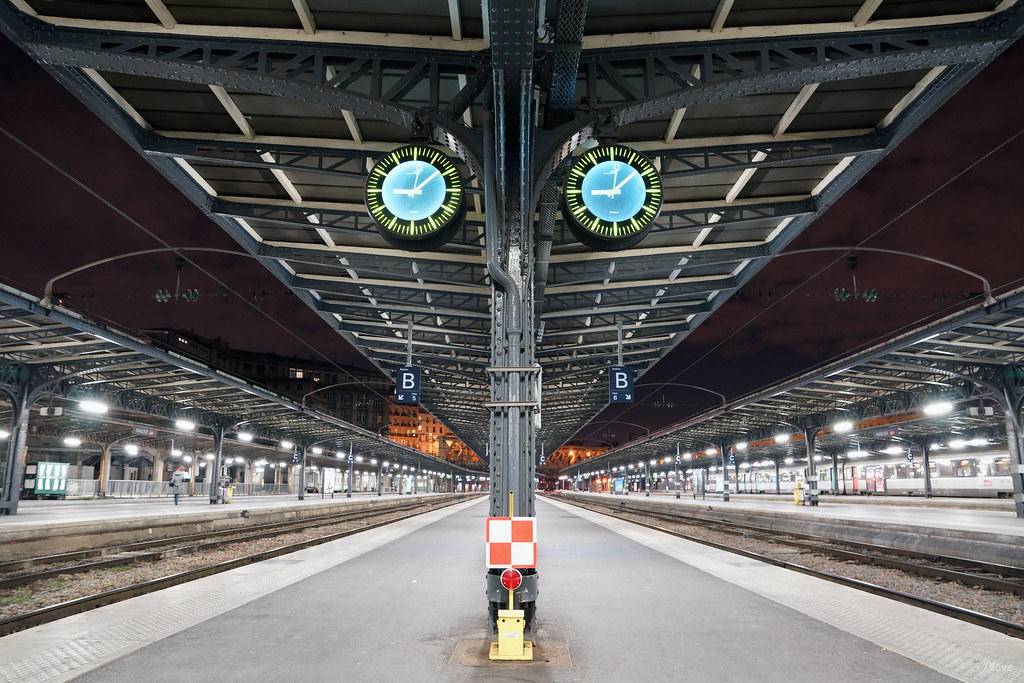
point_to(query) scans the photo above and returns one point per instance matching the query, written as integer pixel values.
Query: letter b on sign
(620, 384)
(407, 385)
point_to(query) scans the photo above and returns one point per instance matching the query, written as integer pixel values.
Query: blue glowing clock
(415, 196)
(612, 196)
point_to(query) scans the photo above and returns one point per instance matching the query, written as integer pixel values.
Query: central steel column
(926, 457)
(778, 483)
(679, 482)
(1011, 407)
(810, 436)
(835, 473)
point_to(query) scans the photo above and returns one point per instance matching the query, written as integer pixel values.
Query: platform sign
(51, 478)
(511, 542)
(910, 456)
(620, 384)
(732, 458)
(407, 385)
(296, 458)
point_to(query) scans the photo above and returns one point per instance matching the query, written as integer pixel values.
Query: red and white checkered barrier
(512, 542)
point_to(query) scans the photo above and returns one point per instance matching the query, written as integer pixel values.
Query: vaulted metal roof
(68, 358)
(965, 359)
(759, 116)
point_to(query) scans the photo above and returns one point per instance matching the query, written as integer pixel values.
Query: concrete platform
(51, 512)
(62, 527)
(405, 603)
(1003, 504)
(986, 535)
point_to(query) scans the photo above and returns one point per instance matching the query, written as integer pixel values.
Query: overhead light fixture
(373, 461)
(4, 434)
(788, 461)
(209, 456)
(184, 425)
(937, 408)
(957, 443)
(654, 461)
(340, 454)
(978, 442)
(93, 406)
(359, 458)
(687, 455)
(893, 450)
(131, 449)
(246, 436)
(742, 446)
(176, 453)
(856, 454)
(72, 441)
(782, 438)
(711, 451)
(287, 445)
(317, 450)
(187, 458)
(842, 427)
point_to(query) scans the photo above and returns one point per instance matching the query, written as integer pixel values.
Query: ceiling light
(373, 461)
(94, 407)
(131, 449)
(209, 456)
(978, 442)
(4, 434)
(176, 453)
(687, 455)
(72, 441)
(788, 461)
(893, 450)
(842, 427)
(317, 450)
(653, 461)
(184, 425)
(938, 408)
(711, 451)
(782, 438)
(742, 446)
(287, 445)
(245, 436)
(188, 458)
(957, 443)
(359, 458)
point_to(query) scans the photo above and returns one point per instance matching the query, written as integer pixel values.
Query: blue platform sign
(296, 458)
(732, 458)
(407, 385)
(620, 384)
(910, 456)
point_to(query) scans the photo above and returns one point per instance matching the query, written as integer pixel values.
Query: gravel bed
(1006, 606)
(64, 587)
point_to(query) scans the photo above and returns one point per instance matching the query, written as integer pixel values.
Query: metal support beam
(723, 450)
(810, 438)
(17, 448)
(213, 468)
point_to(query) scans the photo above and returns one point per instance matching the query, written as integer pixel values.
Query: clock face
(415, 196)
(612, 196)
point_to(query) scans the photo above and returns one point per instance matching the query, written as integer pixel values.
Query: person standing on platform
(177, 482)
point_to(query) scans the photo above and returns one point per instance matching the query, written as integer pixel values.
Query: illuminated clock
(416, 197)
(612, 196)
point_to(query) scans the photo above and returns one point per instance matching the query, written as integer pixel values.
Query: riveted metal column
(351, 460)
(926, 457)
(679, 482)
(835, 473)
(1012, 402)
(508, 199)
(301, 450)
(17, 449)
(778, 482)
(103, 478)
(810, 437)
(723, 451)
(214, 468)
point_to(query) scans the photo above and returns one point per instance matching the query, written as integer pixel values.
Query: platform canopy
(66, 359)
(949, 380)
(268, 115)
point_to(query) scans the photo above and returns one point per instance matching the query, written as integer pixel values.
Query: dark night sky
(49, 225)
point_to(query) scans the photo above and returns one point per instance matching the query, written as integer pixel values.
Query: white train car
(978, 475)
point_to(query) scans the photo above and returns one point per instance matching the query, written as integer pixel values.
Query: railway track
(960, 570)
(115, 556)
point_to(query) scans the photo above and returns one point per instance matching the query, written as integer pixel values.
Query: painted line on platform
(949, 646)
(64, 649)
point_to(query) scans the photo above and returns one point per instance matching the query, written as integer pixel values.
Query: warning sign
(511, 542)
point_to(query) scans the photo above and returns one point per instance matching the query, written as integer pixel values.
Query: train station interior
(550, 340)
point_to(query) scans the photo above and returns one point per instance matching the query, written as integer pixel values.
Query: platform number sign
(732, 458)
(910, 456)
(296, 458)
(407, 385)
(620, 384)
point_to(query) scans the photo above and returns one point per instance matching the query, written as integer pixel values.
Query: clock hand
(419, 188)
(618, 188)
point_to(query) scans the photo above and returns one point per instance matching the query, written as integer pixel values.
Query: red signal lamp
(511, 579)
